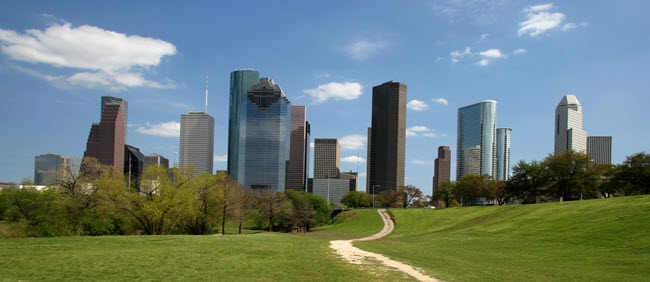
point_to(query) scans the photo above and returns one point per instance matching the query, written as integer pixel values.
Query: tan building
(327, 158)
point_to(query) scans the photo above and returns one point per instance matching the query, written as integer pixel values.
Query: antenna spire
(206, 94)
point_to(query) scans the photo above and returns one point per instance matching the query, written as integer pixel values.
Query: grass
(606, 239)
(262, 256)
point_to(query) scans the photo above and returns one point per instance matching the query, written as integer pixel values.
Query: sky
(57, 58)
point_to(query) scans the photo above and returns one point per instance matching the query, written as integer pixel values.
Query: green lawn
(606, 239)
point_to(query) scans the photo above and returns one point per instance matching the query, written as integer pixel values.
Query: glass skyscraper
(503, 153)
(240, 82)
(476, 151)
(264, 135)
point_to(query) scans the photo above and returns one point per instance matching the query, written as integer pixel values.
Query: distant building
(155, 159)
(107, 138)
(476, 148)
(327, 158)
(442, 167)
(47, 168)
(240, 82)
(503, 153)
(197, 141)
(133, 163)
(332, 189)
(110, 100)
(599, 149)
(387, 140)
(568, 126)
(297, 173)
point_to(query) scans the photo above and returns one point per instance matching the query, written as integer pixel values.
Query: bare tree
(272, 205)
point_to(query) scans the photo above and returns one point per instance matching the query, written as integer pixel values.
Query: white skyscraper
(503, 153)
(197, 141)
(568, 126)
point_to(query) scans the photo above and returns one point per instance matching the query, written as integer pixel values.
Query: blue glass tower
(240, 82)
(264, 135)
(476, 151)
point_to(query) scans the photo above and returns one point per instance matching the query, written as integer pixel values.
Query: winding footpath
(354, 255)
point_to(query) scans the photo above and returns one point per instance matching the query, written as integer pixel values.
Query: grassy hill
(606, 239)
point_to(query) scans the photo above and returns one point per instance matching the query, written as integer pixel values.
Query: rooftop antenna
(206, 94)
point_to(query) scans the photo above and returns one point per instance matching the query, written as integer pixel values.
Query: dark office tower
(265, 131)
(387, 136)
(296, 172)
(307, 149)
(442, 167)
(107, 138)
(240, 82)
(107, 100)
(48, 168)
(599, 149)
(197, 141)
(155, 159)
(133, 163)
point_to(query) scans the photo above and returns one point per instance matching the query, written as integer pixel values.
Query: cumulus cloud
(421, 162)
(220, 159)
(420, 130)
(107, 59)
(164, 129)
(353, 159)
(363, 49)
(335, 90)
(417, 105)
(519, 51)
(440, 100)
(539, 19)
(489, 55)
(353, 142)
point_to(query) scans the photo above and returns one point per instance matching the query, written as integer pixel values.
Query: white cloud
(440, 100)
(460, 54)
(421, 162)
(438, 60)
(539, 20)
(164, 129)
(109, 60)
(492, 54)
(311, 145)
(481, 12)
(519, 51)
(335, 90)
(353, 159)
(420, 130)
(454, 60)
(362, 50)
(220, 159)
(483, 62)
(483, 36)
(417, 105)
(569, 26)
(353, 142)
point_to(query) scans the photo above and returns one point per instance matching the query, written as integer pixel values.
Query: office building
(197, 142)
(327, 158)
(503, 153)
(133, 163)
(476, 147)
(108, 100)
(599, 149)
(265, 131)
(297, 173)
(240, 82)
(107, 138)
(441, 167)
(332, 189)
(48, 168)
(387, 137)
(568, 126)
(155, 159)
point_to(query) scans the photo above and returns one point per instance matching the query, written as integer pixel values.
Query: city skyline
(331, 55)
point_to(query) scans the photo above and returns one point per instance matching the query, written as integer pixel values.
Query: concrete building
(155, 159)
(476, 148)
(332, 189)
(240, 82)
(387, 140)
(327, 158)
(503, 153)
(442, 167)
(48, 168)
(107, 138)
(568, 126)
(298, 154)
(197, 141)
(599, 149)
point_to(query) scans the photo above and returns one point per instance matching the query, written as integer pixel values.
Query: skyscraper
(327, 158)
(107, 138)
(296, 176)
(264, 135)
(387, 137)
(568, 126)
(107, 100)
(442, 166)
(240, 82)
(133, 163)
(599, 149)
(47, 168)
(476, 148)
(197, 141)
(503, 153)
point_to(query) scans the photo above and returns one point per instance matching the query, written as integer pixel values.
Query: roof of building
(569, 99)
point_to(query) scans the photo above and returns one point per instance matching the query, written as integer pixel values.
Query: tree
(244, 203)
(357, 199)
(445, 193)
(205, 210)
(501, 192)
(635, 171)
(404, 195)
(302, 212)
(572, 175)
(528, 181)
(272, 205)
(611, 184)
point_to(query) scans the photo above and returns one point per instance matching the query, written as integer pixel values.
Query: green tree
(357, 199)
(272, 205)
(529, 180)
(245, 202)
(610, 184)
(635, 172)
(404, 195)
(572, 175)
(445, 193)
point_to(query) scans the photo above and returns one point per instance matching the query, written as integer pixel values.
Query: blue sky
(57, 58)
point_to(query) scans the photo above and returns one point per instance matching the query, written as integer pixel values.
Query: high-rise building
(599, 149)
(133, 163)
(387, 140)
(476, 148)
(297, 174)
(107, 100)
(155, 159)
(240, 82)
(197, 141)
(264, 139)
(568, 126)
(442, 166)
(48, 168)
(503, 153)
(107, 138)
(327, 158)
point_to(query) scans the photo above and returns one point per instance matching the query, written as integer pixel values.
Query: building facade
(387, 140)
(240, 82)
(155, 159)
(48, 168)
(599, 149)
(197, 142)
(108, 100)
(133, 163)
(442, 167)
(107, 138)
(332, 189)
(297, 174)
(327, 158)
(568, 126)
(503, 153)
(476, 147)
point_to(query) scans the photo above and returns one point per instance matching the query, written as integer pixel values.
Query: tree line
(94, 199)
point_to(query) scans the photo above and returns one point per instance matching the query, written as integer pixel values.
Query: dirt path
(354, 255)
